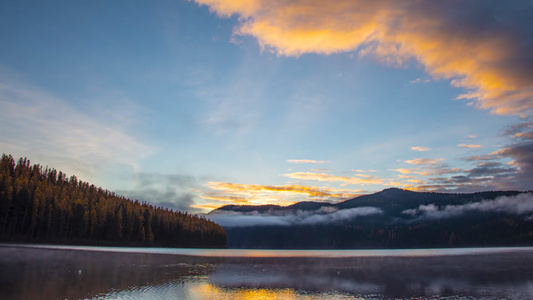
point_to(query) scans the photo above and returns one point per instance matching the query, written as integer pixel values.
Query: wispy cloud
(479, 157)
(420, 80)
(174, 191)
(334, 178)
(424, 161)
(420, 149)
(36, 124)
(306, 161)
(469, 146)
(517, 128)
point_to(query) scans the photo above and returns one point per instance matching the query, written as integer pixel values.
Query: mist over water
(37, 273)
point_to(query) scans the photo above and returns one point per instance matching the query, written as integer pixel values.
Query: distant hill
(392, 218)
(392, 201)
(42, 205)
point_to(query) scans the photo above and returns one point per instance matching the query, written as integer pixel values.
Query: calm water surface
(68, 272)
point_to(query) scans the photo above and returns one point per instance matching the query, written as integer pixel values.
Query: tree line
(471, 230)
(42, 205)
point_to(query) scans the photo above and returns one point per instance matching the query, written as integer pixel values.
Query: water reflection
(27, 273)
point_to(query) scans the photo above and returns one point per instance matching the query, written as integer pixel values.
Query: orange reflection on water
(206, 290)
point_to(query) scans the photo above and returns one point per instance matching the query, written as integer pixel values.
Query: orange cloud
(421, 149)
(206, 207)
(406, 177)
(232, 199)
(403, 171)
(469, 146)
(485, 51)
(260, 194)
(525, 135)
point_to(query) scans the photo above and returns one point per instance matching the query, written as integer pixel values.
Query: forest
(42, 205)
(473, 230)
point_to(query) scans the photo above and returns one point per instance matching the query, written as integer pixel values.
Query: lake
(75, 272)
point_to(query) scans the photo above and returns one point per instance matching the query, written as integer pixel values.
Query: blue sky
(194, 105)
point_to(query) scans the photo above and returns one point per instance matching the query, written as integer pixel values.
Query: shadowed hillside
(392, 218)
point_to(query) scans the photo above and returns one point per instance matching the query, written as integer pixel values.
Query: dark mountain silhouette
(392, 218)
(309, 205)
(391, 201)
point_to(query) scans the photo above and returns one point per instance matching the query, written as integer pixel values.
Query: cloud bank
(519, 205)
(299, 217)
(482, 46)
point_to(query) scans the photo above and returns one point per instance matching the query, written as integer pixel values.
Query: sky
(193, 105)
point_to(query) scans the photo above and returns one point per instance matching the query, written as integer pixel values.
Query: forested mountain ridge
(391, 200)
(42, 205)
(392, 218)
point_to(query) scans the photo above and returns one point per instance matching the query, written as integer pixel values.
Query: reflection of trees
(475, 275)
(62, 274)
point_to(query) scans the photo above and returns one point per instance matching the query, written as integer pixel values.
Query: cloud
(518, 128)
(334, 178)
(420, 149)
(479, 157)
(322, 170)
(233, 193)
(429, 166)
(525, 135)
(469, 146)
(403, 170)
(254, 189)
(306, 161)
(518, 205)
(39, 125)
(490, 169)
(173, 191)
(483, 46)
(298, 217)
(471, 136)
(232, 199)
(419, 80)
(522, 155)
(486, 175)
(424, 161)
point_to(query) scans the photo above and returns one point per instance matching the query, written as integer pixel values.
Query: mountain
(391, 201)
(392, 218)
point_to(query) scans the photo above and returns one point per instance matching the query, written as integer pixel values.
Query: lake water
(69, 272)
